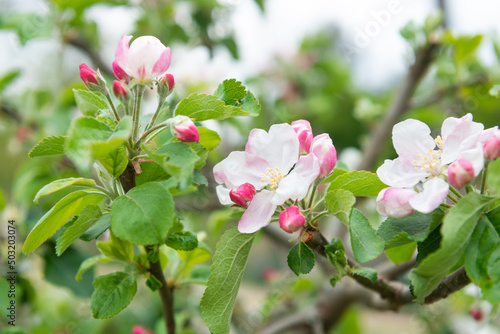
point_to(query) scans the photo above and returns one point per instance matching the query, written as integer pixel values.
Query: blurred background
(347, 67)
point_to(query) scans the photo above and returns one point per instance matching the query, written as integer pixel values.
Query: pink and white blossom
(271, 163)
(304, 132)
(184, 129)
(491, 147)
(145, 59)
(120, 73)
(460, 173)
(322, 147)
(243, 194)
(395, 202)
(291, 219)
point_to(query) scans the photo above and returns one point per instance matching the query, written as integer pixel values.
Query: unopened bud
(184, 129)
(291, 219)
(460, 173)
(120, 90)
(491, 148)
(304, 132)
(119, 73)
(476, 313)
(243, 194)
(141, 330)
(395, 202)
(89, 76)
(165, 86)
(322, 147)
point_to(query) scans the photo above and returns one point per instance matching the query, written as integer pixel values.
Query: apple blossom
(460, 173)
(120, 73)
(291, 219)
(88, 75)
(243, 194)
(119, 89)
(271, 163)
(491, 148)
(395, 202)
(146, 58)
(304, 132)
(322, 147)
(184, 129)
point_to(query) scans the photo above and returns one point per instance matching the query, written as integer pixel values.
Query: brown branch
(82, 44)
(423, 59)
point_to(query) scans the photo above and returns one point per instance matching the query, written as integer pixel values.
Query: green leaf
(202, 107)
(116, 248)
(53, 145)
(89, 103)
(116, 161)
(208, 138)
(300, 259)
(416, 227)
(340, 202)
(335, 253)
(113, 292)
(185, 241)
(360, 183)
(88, 216)
(224, 281)
(368, 273)
(153, 283)
(89, 263)
(365, 243)
(456, 230)
(56, 217)
(151, 172)
(144, 215)
(493, 176)
(336, 173)
(250, 104)
(196, 256)
(98, 228)
(230, 91)
(403, 253)
(62, 184)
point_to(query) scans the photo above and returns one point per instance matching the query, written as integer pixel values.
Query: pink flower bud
(184, 129)
(460, 173)
(322, 147)
(291, 219)
(165, 86)
(141, 330)
(476, 314)
(491, 148)
(304, 132)
(169, 79)
(119, 73)
(243, 194)
(88, 75)
(119, 89)
(395, 202)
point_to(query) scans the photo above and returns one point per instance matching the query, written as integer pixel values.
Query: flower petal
(258, 214)
(163, 63)
(223, 195)
(121, 53)
(397, 173)
(295, 185)
(476, 157)
(280, 147)
(459, 134)
(410, 138)
(143, 54)
(240, 167)
(434, 193)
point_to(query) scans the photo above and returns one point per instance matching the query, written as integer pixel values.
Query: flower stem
(455, 191)
(139, 90)
(155, 116)
(483, 182)
(112, 106)
(313, 193)
(148, 132)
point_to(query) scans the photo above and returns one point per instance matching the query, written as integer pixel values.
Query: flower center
(431, 162)
(439, 142)
(272, 177)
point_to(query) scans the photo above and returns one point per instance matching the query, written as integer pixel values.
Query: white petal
(223, 195)
(280, 147)
(295, 185)
(258, 214)
(240, 167)
(410, 138)
(459, 134)
(399, 173)
(144, 51)
(434, 193)
(476, 157)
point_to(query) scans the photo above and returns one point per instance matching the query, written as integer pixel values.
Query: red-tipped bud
(165, 86)
(491, 148)
(184, 129)
(291, 219)
(243, 194)
(322, 147)
(119, 89)
(476, 313)
(88, 75)
(395, 202)
(119, 73)
(141, 330)
(304, 132)
(169, 80)
(460, 173)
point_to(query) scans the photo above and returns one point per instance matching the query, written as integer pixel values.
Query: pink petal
(459, 134)
(258, 214)
(434, 193)
(121, 53)
(162, 64)
(295, 185)
(241, 167)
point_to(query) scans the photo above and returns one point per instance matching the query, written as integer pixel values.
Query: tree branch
(82, 44)
(423, 59)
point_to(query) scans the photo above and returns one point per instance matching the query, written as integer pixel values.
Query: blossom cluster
(276, 169)
(426, 167)
(144, 62)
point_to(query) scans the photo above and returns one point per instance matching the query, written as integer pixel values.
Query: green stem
(313, 193)
(483, 182)
(455, 191)
(315, 219)
(110, 195)
(453, 198)
(148, 132)
(139, 90)
(112, 106)
(155, 116)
